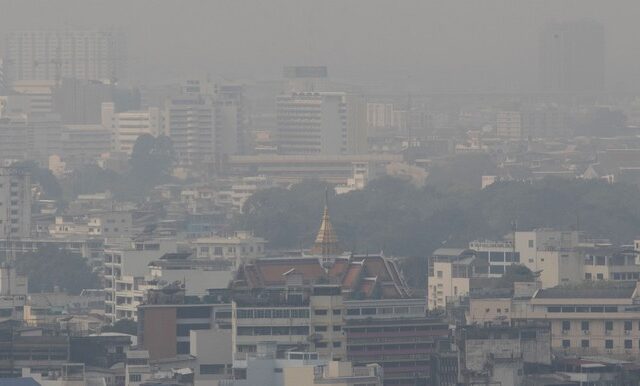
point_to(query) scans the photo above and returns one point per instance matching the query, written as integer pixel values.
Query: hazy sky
(432, 45)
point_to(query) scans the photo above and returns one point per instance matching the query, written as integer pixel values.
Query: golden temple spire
(326, 243)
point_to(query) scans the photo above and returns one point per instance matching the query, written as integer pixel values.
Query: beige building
(127, 126)
(298, 368)
(292, 319)
(589, 319)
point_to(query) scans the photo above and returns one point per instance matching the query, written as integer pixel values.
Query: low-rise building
(298, 368)
(589, 319)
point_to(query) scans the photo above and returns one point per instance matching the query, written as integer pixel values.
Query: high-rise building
(572, 56)
(190, 123)
(15, 203)
(30, 137)
(312, 123)
(127, 126)
(71, 53)
(231, 124)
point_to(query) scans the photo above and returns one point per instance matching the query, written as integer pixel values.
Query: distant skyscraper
(69, 53)
(190, 123)
(572, 56)
(312, 123)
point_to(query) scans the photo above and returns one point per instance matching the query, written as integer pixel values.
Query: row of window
(272, 313)
(265, 330)
(608, 344)
(608, 325)
(582, 309)
(384, 310)
(509, 257)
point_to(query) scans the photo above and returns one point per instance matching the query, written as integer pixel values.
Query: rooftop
(617, 290)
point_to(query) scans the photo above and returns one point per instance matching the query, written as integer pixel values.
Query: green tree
(51, 267)
(48, 182)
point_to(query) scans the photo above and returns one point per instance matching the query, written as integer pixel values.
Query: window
(600, 276)
(584, 343)
(566, 343)
(530, 243)
(321, 345)
(608, 343)
(566, 325)
(211, 369)
(320, 312)
(496, 256)
(337, 344)
(628, 325)
(337, 312)
(628, 344)
(368, 311)
(182, 348)
(337, 328)
(584, 325)
(217, 251)
(587, 276)
(135, 378)
(608, 325)
(440, 274)
(496, 269)
(321, 328)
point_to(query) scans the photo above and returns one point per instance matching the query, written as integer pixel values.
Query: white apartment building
(553, 255)
(68, 53)
(312, 123)
(190, 123)
(127, 126)
(123, 265)
(238, 248)
(15, 203)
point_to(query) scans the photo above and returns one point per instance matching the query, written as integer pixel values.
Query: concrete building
(608, 263)
(554, 256)
(84, 144)
(312, 123)
(291, 319)
(166, 321)
(68, 53)
(231, 116)
(572, 57)
(190, 123)
(30, 137)
(509, 124)
(124, 271)
(298, 368)
(498, 355)
(15, 200)
(137, 367)
(197, 276)
(241, 247)
(127, 126)
(589, 319)
(395, 334)
(13, 293)
(212, 350)
(336, 169)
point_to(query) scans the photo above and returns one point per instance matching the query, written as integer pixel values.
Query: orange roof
(350, 272)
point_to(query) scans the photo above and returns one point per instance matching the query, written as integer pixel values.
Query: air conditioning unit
(609, 351)
(627, 332)
(565, 332)
(585, 332)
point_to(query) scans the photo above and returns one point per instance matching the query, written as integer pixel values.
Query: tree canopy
(393, 216)
(52, 267)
